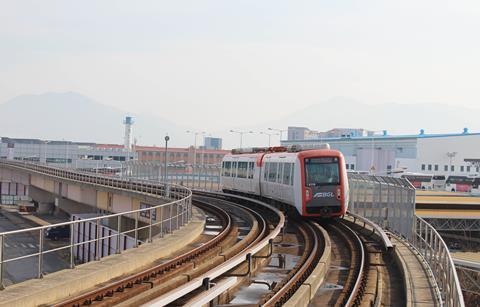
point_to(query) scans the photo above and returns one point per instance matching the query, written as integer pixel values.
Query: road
(25, 244)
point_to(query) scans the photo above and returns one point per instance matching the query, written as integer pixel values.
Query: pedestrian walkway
(419, 285)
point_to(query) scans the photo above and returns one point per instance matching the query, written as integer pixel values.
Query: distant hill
(76, 117)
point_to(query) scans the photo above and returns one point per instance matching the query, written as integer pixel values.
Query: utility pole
(167, 138)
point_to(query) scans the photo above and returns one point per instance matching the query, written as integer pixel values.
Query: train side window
(272, 171)
(352, 167)
(251, 169)
(286, 173)
(234, 169)
(228, 165)
(266, 166)
(292, 173)
(242, 170)
(280, 172)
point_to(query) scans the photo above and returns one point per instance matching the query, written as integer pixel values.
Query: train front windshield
(321, 171)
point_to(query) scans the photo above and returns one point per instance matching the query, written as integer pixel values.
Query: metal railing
(386, 201)
(200, 176)
(469, 276)
(434, 250)
(390, 202)
(168, 207)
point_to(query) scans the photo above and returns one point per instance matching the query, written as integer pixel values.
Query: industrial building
(181, 155)
(70, 154)
(439, 154)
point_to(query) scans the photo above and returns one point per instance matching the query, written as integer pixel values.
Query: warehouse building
(382, 154)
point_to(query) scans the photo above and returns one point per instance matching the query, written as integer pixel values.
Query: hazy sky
(241, 62)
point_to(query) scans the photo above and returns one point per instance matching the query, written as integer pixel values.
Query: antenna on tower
(128, 122)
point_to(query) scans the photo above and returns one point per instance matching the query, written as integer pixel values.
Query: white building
(441, 154)
(65, 153)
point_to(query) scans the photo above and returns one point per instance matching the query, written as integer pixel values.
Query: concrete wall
(12, 176)
(76, 197)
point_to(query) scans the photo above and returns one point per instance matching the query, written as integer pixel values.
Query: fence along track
(177, 199)
(147, 275)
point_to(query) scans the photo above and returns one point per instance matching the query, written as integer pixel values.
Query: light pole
(167, 138)
(195, 133)
(280, 131)
(372, 159)
(451, 155)
(45, 150)
(241, 135)
(66, 153)
(269, 136)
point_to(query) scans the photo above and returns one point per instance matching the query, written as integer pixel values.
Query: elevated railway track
(346, 262)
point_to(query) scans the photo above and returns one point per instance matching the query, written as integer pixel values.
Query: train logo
(324, 195)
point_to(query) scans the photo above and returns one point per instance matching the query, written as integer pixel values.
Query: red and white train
(313, 181)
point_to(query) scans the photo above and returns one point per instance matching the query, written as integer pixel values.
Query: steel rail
(228, 264)
(283, 294)
(145, 275)
(355, 290)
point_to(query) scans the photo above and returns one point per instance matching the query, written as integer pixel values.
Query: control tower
(128, 122)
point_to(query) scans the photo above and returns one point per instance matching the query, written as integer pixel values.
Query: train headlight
(308, 194)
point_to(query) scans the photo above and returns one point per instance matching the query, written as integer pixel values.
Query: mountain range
(76, 117)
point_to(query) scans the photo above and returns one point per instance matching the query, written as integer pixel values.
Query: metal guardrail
(469, 276)
(434, 250)
(467, 264)
(376, 229)
(390, 203)
(157, 219)
(200, 176)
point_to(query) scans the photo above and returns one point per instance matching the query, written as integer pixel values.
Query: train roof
(301, 154)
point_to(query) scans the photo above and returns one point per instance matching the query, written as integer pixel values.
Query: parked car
(59, 232)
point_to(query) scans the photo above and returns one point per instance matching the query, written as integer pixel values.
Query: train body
(313, 181)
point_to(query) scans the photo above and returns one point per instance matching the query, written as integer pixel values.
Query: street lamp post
(66, 153)
(195, 133)
(372, 158)
(45, 150)
(241, 133)
(280, 131)
(167, 138)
